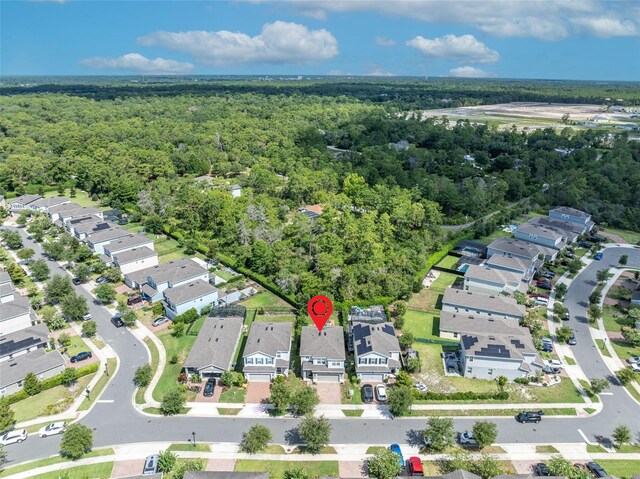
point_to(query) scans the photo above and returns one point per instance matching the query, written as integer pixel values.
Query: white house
(506, 262)
(81, 231)
(7, 291)
(135, 259)
(98, 240)
(154, 280)
(376, 351)
(267, 352)
(480, 279)
(56, 211)
(23, 341)
(322, 354)
(78, 212)
(197, 294)
(20, 203)
(460, 301)
(574, 216)
(120, 245)
(16, 315)
(521, 249)
(540, 235)
(43, 204)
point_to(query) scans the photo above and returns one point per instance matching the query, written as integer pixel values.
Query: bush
(77, 439)
(31, 384)
(400, 400)
(231, 378)
(255, 439)
(89, 329)
(458, 396)
(166, 461)
(522, 380)
(384, 465)
(142, 376)
(172, 402)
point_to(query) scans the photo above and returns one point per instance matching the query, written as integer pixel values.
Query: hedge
(459, 396)
(50, 383)
(436, 257)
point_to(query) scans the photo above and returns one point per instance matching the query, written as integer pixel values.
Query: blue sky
(563, 39)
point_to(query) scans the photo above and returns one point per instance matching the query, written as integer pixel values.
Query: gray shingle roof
(128, 242)
(37, 362)
(507, 261)
(78, 212)
(520, 248)
(108, 235)
(4, 277)
(560, 225)
(187, 292)
(93, 226)
(566, 210)
(328, 343)
(538, 230)
(49, 202)
(268, 338)
(378, 338)
(174, 271)
(134, 254)
(15, 308)
(6, 289)
(493, 275)
(23, 339)
(485, 302)
(469, 323)
(63, 208)
(495, 345)
(24, 199)
(216, 343)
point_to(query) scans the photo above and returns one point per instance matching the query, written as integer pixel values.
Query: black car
(541, 469)
(81, 356)
(76, 281)
(547, 348)
(209, 387)
(528, 416)
(134, 300)
(596, 469)
(584, 244)
(102, 279)
(367, 393)
(546, 286)
(117, 321)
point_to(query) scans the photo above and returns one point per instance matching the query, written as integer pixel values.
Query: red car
(415, 466)
(540, 295)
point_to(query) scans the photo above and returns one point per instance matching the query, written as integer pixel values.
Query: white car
(547, 340)
(633, 360)
(420, 386)
(635, 367)
(381, 393)
(466, 438)
(52, 429)
(555, 363)
(17, 435)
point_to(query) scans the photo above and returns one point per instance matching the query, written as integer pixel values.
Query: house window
(382, 361)
(455, 335)
(248, 360)
(335, 364)
(259, 360)
(469, 370)
(268, 361)
(362, 361)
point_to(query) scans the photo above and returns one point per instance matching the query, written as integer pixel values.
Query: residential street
(118, 422)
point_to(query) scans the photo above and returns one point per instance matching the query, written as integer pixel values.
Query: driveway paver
(127, 468)
(352, 469)
(221, 464)
(257, 392)
(329, 393)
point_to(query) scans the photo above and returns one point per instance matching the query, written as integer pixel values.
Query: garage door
(373, 378)
(259, 378)
(327, 378)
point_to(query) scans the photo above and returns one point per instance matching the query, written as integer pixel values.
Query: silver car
(17, 435)
(52, 429)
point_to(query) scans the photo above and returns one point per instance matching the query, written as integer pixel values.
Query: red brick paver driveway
(329, 393)
(257, 392)
(221, 465)
(352, 469)
(216, 393)
(128, 468)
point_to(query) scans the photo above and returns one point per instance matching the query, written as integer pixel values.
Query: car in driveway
(86, 317)
(528, 416)
(555, 363)
(158, 321)
(541, 469)
(102, 279)
(134, 300)
(596, 469)
(547, 286)
(381, 393)
(547, 347)
(549, 275)
(598, 256)
(414, 466)
(396, 449)
(52, 429)
(117, 321)
(209, 387)
(12, 437)
(466, 438)
(570, 256)
(551, 370)
(633, 359)
(367, 393)
(635, 367)
(150, 465)
(81, 356)
(540, 295)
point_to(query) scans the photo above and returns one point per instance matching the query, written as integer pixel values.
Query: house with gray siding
(267, 352)
(196, 294)
(569, 230)
(39, 362)
(514, 264)
(460, 301)
(81, 231)
(127, 243)
(7, 290)
(521, 249)
(154, 280)
(452, 324)
(79, 212)
(376, 351)
(55, 212)
(573, 215)
(43, 204)
(215, 347)
(16, 315)
(135, 259)
(541, 235)
(19, 203)
(23, 341)
(322, 354)
(99, 239)
(481, 279)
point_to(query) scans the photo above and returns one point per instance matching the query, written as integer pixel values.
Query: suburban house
(376, 351)
(267, 352)
(490, 355)
(16, 315)
(154, 280)
(20, 203)
(127, 243)
(54, 212)
(541, 235)
(135, 259)
(78, 212)
(460, 301)
(521, 249)
(312, 211)
(214, 350)
(570, 230)
(505, 262)
(98, 240)
(44, 365)
(81, 231)
(23, 341)
(372, 314)
(322, 354)
(452, 324)
(574, 216)
(197, 294)
(7, 291)
(480, 279)
(43, 204)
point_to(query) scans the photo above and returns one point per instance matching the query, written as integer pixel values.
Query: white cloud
(469, 72)
(465, 48)
(377, 71)
(607, 27)
(278, 43)
(543, 19)
(139, 64)
(385, 42)
(336, 72)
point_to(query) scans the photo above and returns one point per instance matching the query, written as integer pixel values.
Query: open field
(82, 198)
(264, 299)
(632, 237)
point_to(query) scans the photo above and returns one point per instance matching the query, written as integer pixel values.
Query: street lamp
(193, 434)
(106, 368)
(88, 393)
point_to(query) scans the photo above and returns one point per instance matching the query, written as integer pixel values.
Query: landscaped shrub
(522, 380)
(458, 396)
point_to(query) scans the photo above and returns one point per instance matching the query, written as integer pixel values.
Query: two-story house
(16, 315)
(521, 249)
(480, 279)
(574, 216)
(16, 205)
(99, 239)
(322, 354)
(56, 211)
(569, 230)
(23, 341)
(79, 212)
(452, 324)
(127, 243)
(541, 235)
(135, 259)
(196, 294)
(460, 301)
(215, 347)
(267, 352)
(376, 351)
(82, 230)
(39, 362)
(43, 204)
(153, 281)
(514, 264)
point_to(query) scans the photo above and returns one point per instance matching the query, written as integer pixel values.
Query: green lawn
(493, 236)
(234, 395)
(187, 446)
(624, 350)
(82, 197)
(77, 346)
(352, 412)
(107, 451)
(632, 237)
(276, 469)
(422, 325)
(264, 299)
(427, 298)
(356, 398)
(603, 349)
(546, 450)
(173, 346)
(155, 359)
(51, 401)
(224, 274)
(99, 386)
(93, 471)
(621, 468)
(567, 411)
(274, 449)
(448, 262)
(229, 411)
(375, 449)
(569, 361)
(614, 319)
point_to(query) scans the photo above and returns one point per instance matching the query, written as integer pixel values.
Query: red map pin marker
(320, 309)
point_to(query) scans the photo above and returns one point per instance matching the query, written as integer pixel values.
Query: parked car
(367, 393)
(420, 386)
(572, 341)
(209, 387)
(547, 347)
(566, 316)
(117, 321)
(158, 321)
(635, 367)
(415, 466)
(549, 274)
(17, 435)
(102, 279)
(598, 256)
(150, 465)
(584, 244)
(528, 416)
(547, 286)
(541, 469)
(86, 317)
(595, 239)
(547, 339)
(76, 281)
(396, 449)
(633, 359)
(540, 295)
(555, 363)
(81, 356)
(52, 429)
(134, 300)
(466, 438)
(551, 370)
(381, 393)
(596, 469)
(570, 256)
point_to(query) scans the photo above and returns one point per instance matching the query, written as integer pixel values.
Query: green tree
(280, 396)
(400, 308)
(594, 313)
(304, 400)
(173, 402)
(485, 433)
(231, 378)
(16, 273)
(31, 385)
(105, 293)
(82, 271)
(166, 461)
(74, 307)
(7, 418)
(406, 340)
(77, 440)
(112, 274)
(623, 260)
(64, 339)
(631, 335)
(54, 250)
(187, 465)
(440, 434)
(13, 240)
(3, 455)
(69, 376)
(255, 439)
(598, 385)
(315, 432)
(603, 275)
(295, 473)
(559, 466)
(487, 466)
(384, 465)
(25, 254)
(129, 318)
(595, 297)
(39, 270)
(403, 379)
(621, 435)
(142, 376)
(563, 333)
(89, 328)
(561, 290)
(574, 266)
(625, 375)
(57, 288)
(400, 400)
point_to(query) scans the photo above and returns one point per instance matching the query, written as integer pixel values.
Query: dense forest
(140, 149)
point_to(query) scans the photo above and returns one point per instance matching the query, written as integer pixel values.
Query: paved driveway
(128, 468)
(257, 392)
(329, 393)
(216, 393)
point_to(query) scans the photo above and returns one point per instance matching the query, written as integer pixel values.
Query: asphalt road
(119, 423)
